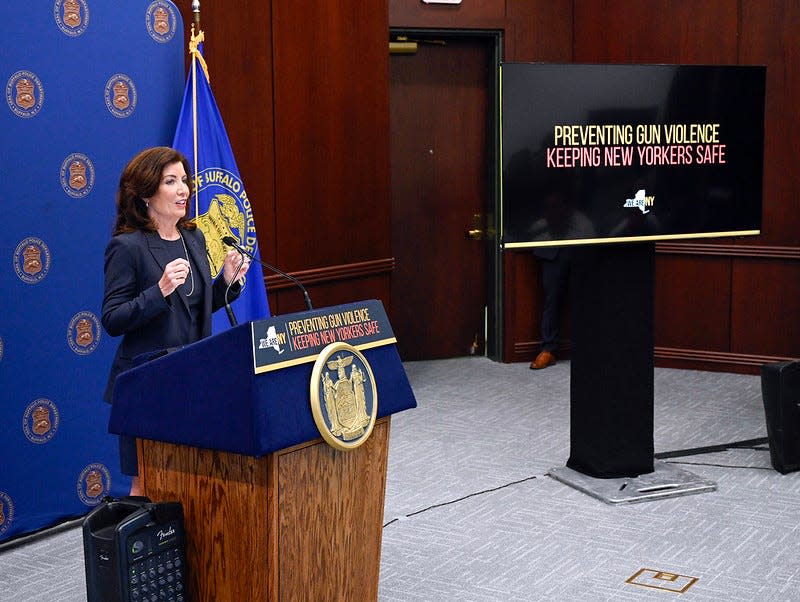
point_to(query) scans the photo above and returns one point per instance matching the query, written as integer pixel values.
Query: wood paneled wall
(722, 304)
(303, 89)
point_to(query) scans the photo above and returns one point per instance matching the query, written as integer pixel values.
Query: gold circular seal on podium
(344, 399)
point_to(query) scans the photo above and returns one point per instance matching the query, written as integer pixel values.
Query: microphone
(232, 242)
(228, 309)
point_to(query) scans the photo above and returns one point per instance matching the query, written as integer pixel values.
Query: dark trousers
(555, 275)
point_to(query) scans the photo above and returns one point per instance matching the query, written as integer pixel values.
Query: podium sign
(292, 339)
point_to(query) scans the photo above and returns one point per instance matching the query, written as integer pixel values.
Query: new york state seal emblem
(344, 400)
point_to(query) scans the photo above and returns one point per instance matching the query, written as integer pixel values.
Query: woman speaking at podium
(158, 289)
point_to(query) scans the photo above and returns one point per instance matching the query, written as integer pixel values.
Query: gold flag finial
(194, 50)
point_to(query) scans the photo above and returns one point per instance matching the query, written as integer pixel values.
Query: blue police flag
(221, 206)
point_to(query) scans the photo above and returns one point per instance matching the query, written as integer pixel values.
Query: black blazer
(134, 307)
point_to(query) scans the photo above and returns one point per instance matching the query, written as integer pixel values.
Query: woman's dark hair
(140, 180)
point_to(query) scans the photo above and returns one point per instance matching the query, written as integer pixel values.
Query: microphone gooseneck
(232, 242)
(228, 309)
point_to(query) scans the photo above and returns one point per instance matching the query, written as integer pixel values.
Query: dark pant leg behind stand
(555, 273)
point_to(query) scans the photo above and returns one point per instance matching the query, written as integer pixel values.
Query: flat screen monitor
(616, 153)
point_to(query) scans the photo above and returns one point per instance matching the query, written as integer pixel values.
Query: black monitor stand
(611, 371)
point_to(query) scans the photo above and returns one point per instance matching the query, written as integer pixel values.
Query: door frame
(493, 314)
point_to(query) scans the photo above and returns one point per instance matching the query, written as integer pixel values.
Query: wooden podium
(272, 512)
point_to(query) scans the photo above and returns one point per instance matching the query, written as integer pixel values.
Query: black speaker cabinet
(134, 551)
(780, 389)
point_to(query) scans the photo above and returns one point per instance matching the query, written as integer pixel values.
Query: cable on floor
(709, 449)
(461, 499)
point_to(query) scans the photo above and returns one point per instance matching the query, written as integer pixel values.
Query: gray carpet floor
(472, 515)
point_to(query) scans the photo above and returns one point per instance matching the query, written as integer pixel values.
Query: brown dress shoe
(543, 360)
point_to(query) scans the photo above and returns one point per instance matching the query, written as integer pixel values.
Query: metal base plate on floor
(665, 481)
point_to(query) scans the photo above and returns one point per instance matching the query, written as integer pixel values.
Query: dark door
(442, 189)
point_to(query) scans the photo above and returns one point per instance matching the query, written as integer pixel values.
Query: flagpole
(194, 132)
(195, 27)
(194, 50)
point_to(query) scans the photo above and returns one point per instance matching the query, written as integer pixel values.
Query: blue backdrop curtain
(88, 83)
